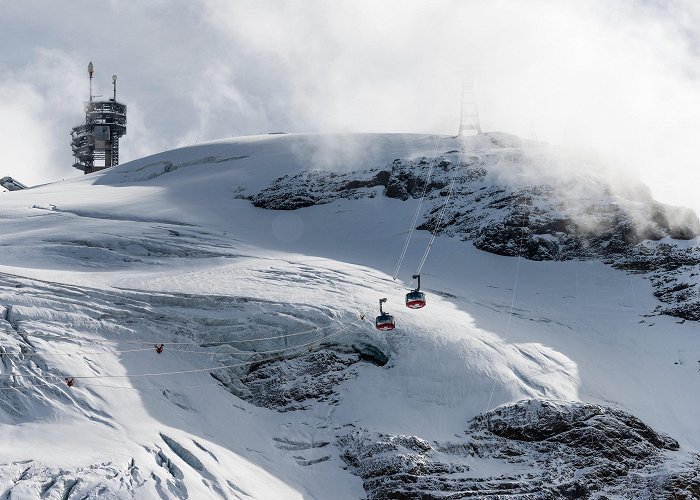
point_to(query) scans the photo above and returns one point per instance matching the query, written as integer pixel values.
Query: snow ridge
(503, 203)
(257, 264)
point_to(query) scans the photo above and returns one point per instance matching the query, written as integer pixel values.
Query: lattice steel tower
(469, 115)
(96, 143)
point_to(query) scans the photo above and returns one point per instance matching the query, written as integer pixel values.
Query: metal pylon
(469, 115)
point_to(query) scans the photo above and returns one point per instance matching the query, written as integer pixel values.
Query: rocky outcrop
(293, 384)
(312, 187)
(506, 202)
(560, 449)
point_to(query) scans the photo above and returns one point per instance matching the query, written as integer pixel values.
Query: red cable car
(415, 299)
(384, 321)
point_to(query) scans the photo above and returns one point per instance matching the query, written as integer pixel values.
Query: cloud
(33, 130)
(618, 78)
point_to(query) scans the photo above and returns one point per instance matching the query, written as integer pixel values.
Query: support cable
(418, 210)
(339, 333)
(436, 229)
(78, 353)
(190, 342)
(512, 304)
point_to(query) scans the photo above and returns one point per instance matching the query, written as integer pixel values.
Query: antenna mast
(95, 143)
(90, 72)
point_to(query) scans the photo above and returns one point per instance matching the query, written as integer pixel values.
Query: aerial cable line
(77, 353)
(512, 304)
(340, 332)
(539, 371)
(146, 349)
(436, 229)
(418, 209)
(281, 351)
(261, 352)
(161, 341)
(151, 388)
(157, 374)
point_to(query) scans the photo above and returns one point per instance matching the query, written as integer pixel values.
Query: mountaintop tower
(96, 143)
(469, 115)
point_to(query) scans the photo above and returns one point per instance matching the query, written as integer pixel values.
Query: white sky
(619, 77)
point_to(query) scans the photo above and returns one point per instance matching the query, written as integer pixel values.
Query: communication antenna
(90, 72)
(469, 114)
(95, 143)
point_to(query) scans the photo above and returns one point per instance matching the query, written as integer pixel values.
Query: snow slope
(169, 249)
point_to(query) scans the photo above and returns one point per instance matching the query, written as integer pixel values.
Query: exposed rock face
(551, 449)
(310, 188)
(292, 384)
(287, 384)
(608, 432)
(505, 202)
(562, 450)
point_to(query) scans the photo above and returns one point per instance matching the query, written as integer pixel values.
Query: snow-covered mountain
(557, 356)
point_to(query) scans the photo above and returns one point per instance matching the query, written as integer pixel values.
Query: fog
(618, 79)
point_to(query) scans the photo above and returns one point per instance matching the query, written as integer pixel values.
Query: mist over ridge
(618, 79)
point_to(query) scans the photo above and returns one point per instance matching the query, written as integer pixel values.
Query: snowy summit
(201, 324)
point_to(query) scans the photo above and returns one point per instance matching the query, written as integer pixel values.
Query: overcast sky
(617, 76)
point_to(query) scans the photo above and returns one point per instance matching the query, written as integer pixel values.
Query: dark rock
(560, 450)
(371, 353)
(381, 179)
(291, 384)
(573, 217)
(538, 420)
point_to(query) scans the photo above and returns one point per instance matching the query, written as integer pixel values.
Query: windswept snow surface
(168, 249)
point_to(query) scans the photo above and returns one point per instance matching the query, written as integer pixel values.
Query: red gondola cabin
(415, 299)
(384, 321)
